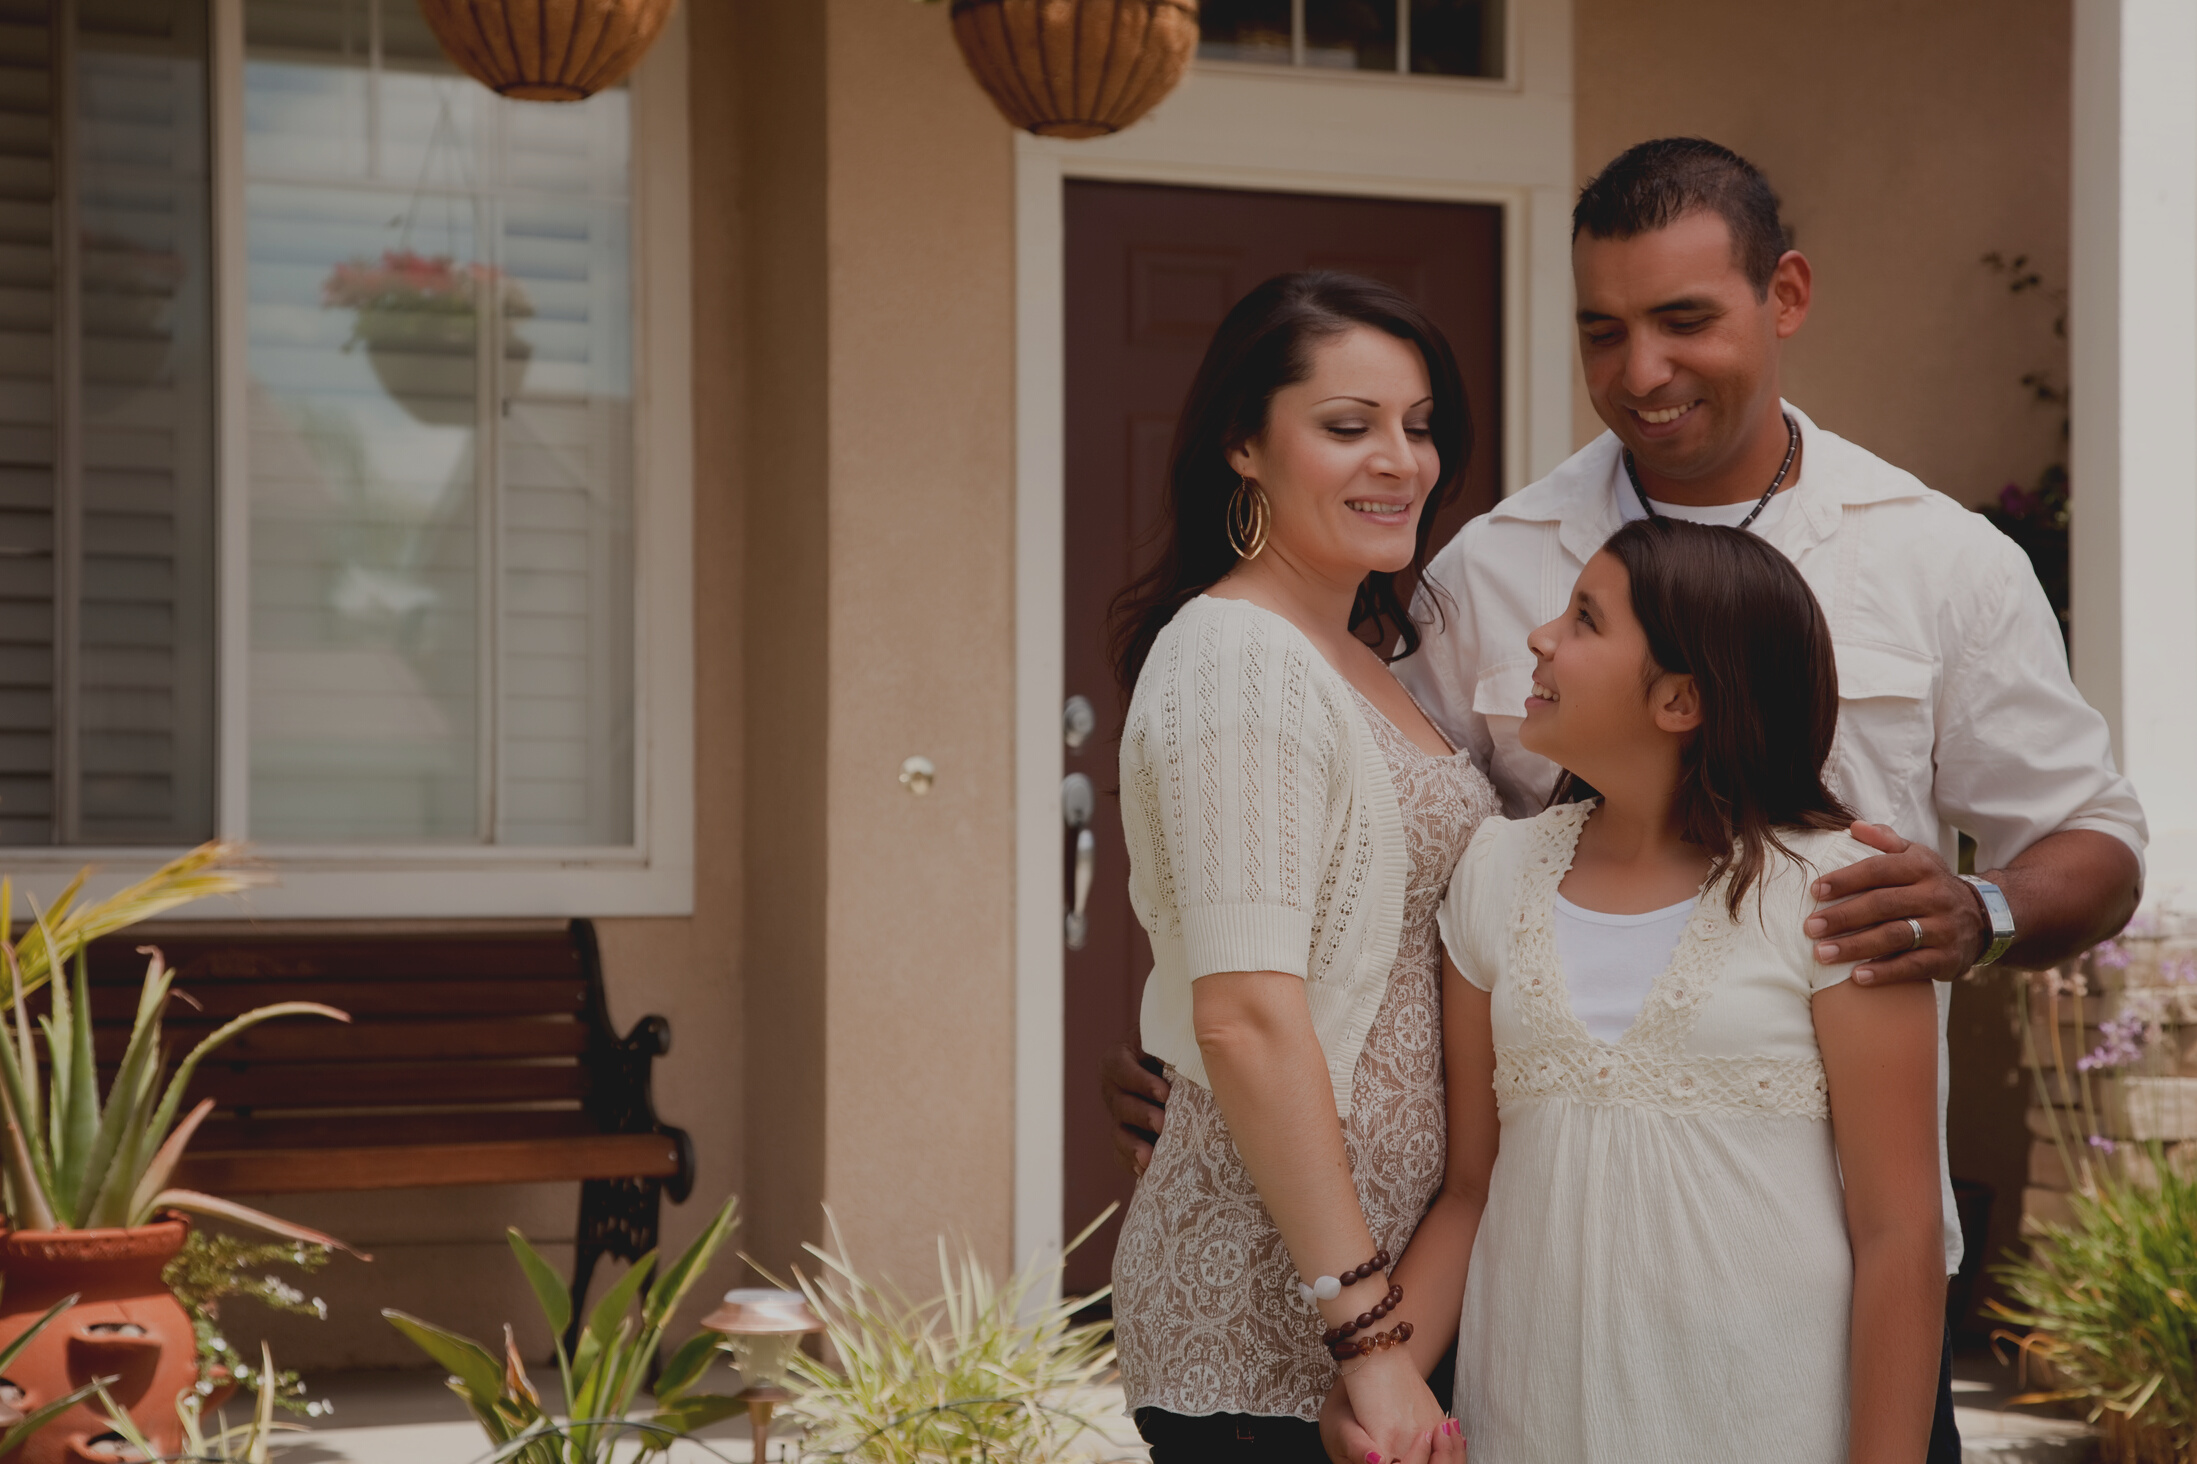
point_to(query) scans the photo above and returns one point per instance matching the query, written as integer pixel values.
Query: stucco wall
(920, 1061)
(1907, 140)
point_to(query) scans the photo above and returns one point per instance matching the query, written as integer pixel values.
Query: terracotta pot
(546, 50)
(126, 1324)
(1076, 68)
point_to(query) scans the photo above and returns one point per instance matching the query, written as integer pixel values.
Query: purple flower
(2121, 1042)
(2111, 955)
(2102, 1144)
(2015, 502)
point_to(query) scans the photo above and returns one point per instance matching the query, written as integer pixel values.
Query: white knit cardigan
(1263, 829)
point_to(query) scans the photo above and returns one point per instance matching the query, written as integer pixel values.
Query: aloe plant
(71, 1161)
(602, 1376)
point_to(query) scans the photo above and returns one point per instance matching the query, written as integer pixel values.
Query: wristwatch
(2002, 918)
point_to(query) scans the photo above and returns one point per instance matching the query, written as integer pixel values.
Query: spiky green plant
(982, 1371)
(65, 927)
(223, 1443)
(603, 1374)
(73, 1162)
(2109, 1304)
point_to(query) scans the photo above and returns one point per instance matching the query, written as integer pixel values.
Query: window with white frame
(1409, 37)
(439, 598)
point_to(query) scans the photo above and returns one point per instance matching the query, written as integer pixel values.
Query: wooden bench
(469, 1059)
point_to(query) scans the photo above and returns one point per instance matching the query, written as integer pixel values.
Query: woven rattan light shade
(546, 50)
(1076, 68)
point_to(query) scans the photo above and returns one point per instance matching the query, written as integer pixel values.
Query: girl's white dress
(1662, 1271)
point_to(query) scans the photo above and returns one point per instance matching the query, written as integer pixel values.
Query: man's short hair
(1653, 185)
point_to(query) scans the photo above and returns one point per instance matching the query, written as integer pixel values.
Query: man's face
(1680, 356)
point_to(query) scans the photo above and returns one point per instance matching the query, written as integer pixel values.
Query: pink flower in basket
(404, 280)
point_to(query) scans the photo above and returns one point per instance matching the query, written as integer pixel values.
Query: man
(1956, 711)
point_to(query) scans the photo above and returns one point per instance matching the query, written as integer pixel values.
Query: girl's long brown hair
(1723, 607)
(1266, 343)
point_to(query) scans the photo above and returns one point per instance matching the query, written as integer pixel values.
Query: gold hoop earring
(1247, 520)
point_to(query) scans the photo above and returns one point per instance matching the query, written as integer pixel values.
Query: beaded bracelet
(1396, 1336)
(1327, 1288)
(1365, 1319)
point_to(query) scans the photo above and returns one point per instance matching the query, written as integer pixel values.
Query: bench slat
(362, 998)
(384, 1040)
(360, 959)
(388, 1085)
(402, 1166)
(226, 1134)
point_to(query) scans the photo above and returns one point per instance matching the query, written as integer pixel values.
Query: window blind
(106, 452)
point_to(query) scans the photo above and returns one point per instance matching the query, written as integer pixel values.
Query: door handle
(1078, 802)
(1078, 922)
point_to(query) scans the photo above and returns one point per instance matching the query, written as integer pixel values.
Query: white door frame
(1507, 143)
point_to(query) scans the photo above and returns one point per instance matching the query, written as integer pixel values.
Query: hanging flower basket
(546, 50)
(418, 316)
(1076, 68)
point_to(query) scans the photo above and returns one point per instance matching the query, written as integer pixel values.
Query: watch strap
(2001, 915)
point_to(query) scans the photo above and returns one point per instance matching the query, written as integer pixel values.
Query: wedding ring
(1915, 926)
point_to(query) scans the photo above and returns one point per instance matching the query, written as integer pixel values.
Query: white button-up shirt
(1956, 710)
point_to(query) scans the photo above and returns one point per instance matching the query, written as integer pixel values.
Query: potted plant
(601, 1377)
(418, 315)
(90, 1210)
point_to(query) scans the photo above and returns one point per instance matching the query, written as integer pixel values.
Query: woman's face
(1597, 692)
(1346, 458)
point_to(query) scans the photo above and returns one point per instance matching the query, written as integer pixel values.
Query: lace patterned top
(1665, 1229)
(1206, 1312)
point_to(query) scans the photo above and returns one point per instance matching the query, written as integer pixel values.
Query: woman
(1292, 819)
(1655, 1091)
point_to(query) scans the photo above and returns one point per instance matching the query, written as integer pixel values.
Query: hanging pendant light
(546, 50)
(1076, 68)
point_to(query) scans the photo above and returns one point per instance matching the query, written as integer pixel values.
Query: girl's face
(1598, 697)
(1346, 457)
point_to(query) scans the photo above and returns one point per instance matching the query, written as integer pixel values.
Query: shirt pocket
(1501, 690)
(1886, 732)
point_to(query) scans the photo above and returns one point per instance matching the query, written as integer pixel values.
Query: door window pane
(1351, 35)
(1457, 37)
(1244, 30)
(106, 454)
(441, 454)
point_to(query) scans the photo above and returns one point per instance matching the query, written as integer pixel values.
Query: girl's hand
(1396, 1415)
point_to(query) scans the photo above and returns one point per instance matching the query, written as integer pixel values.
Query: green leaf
(471, 1364)
(549, 1287)
(83, 1079)
(44, 1414)
(679, 1277)
(92, 1165)
(14, 1349)
(685, 1367)
(700, 1411)
(192, 1200)
(603, 1321)
(172, 1103)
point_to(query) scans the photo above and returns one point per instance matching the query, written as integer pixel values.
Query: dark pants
(1945, 1437)
(1214, 1438)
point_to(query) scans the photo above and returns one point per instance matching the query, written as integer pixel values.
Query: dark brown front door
(1150, 272)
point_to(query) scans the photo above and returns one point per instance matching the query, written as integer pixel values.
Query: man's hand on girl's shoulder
(1867, 907)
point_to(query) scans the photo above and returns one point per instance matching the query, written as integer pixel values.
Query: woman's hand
(1386, 1413)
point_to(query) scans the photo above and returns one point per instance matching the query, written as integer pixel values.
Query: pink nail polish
(1373, 1456)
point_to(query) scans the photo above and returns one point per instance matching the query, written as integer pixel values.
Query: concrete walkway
(410, 1418)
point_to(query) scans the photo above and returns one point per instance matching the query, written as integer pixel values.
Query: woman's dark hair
(1267, 343)
(1723, 607)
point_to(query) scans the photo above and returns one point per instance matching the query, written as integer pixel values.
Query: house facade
(763, 466)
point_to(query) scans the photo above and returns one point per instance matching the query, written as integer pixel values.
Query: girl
(1292, 821)
(1655, 1092)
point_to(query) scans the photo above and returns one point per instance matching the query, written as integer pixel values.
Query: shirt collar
(1577, 496)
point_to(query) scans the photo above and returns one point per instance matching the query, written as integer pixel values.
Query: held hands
(1412, 1430)
(1877, 897)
